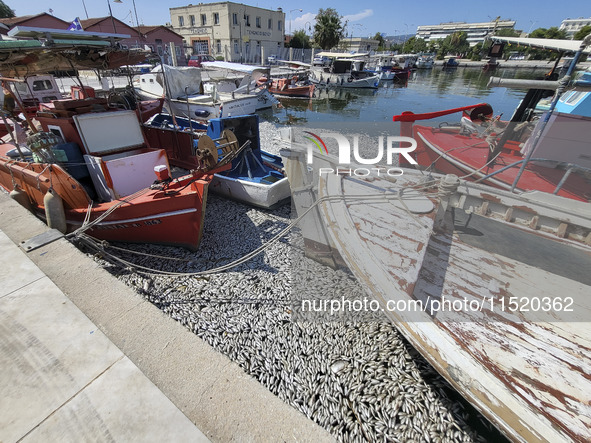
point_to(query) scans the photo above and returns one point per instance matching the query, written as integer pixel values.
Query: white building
(476, 31)
(234, 31)
(573, 25)
(358, 44)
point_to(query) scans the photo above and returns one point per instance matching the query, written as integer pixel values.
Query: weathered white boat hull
(526, 371)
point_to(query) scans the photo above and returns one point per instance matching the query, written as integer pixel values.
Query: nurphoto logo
(395, 145)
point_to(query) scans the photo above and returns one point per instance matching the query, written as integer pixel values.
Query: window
(234, 19)
(279, 25)
(216, 18)
(203, 19)
(236, 47)
(247, 19)
(42, 85)
(218, 46)
(270, 24)
(258, 22)
(181, 20)
(192, 20)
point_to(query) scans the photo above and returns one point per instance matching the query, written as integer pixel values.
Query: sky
(364, 18)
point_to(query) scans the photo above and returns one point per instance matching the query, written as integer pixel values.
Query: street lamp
(533, 22)
(300, 10)
(137, 22)
(352, 26)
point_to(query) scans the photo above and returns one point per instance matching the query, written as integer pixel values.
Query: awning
(545, 43)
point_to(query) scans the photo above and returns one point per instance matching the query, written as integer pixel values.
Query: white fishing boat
(345, 71)
(190, 94)
(424, 61)
(492, 288)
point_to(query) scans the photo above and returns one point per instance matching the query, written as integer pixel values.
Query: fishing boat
(194, 93)
(470, 276)
(287, 86)
(256, 177)
(425, 61)
(382, 65)
(345, 71)
(90, 172)
(450, 62)
(113, 187)
(548, 153)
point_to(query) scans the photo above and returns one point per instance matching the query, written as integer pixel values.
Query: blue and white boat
(255, 177)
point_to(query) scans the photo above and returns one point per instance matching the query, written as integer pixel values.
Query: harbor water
(426, 91)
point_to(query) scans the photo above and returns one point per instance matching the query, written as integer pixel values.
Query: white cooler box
(116, 155)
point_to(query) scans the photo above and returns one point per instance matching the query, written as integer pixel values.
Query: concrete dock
(84, 357)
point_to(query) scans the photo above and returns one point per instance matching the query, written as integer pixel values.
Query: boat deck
(470, 153)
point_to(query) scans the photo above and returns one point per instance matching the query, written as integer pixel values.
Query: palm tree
(328, 30)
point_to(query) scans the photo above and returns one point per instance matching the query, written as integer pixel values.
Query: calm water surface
(426, 91)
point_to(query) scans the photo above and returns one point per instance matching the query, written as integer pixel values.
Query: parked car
(321, 61)
(272, 60)
(196, 60)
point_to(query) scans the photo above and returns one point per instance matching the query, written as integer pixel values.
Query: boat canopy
(229, 66)
(181, 81)
(546, 43)
(220, 70)
(61, 50)
(341, 54)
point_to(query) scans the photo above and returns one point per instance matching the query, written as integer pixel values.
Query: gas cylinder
(54, 211)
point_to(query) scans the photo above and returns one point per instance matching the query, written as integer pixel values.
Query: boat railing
(569, 168)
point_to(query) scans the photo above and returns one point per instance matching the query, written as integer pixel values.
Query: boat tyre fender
(350, 79)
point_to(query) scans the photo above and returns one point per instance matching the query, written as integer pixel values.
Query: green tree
(5, 11)
(456, 43)
(540, 54)
(329, 29)
(582, 33)
(381, 41)
(414, 45)
(300, 40)
(508, 33)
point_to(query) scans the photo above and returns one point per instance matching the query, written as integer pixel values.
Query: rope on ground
(99, 246)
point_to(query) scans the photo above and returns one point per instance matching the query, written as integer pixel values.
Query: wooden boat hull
(294, 91)
(528, 373)
(172, 216)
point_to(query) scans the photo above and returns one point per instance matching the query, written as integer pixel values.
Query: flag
(75, 25)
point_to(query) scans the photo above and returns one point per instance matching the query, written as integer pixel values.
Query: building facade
(359, 44)
(232, 31)
(476, 31)
(158, 39)
(573, 25)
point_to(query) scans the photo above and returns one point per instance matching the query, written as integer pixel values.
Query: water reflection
(426, 91)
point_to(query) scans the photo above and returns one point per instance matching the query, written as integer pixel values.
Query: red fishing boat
(114, 187)
(548, 153)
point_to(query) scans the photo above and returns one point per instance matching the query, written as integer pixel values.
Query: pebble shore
(360, 380)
